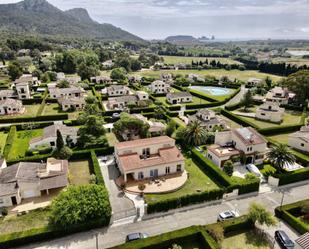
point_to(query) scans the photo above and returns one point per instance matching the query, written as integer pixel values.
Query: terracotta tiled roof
(144, 142)
(303, 241)
(249, 136)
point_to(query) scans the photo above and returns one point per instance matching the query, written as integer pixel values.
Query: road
(115, 235)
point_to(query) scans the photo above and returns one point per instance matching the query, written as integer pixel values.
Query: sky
(225, 19)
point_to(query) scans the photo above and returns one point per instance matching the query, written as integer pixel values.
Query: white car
(226, 215)
(253, 169)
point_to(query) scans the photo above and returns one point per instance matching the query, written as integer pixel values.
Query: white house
(208, 119)
(142, 95)
(178, 98)
(69, 92)
(270, 111)
(7, 94)
(119, 103)
(74, 103)
(236, 141)
(101, 79)
(300, 139)
(155, 127)
(23, 90)
(117, 90)
(26, 180)
(254, 82)
(49, 136)
(11, 107)
(28, 78)
(159, 86)
(279, 95)
(108, 64)
(148, 158)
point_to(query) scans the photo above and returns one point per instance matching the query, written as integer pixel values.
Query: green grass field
(197, 181)
(218, 73)
(246, 240)
(34, 219)
(188, 60)
(281, 138)
(50, 109)
(21, 143)
(3, 137)
(79, 173)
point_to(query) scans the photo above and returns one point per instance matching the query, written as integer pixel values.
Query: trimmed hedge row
(41, 234)
(294, 176)
(237, 119)
(165, 205)
(166, 240)
(9, 141)
(286, 213)
(280, 129)
(95, 168)
(32, 101)
(35, 119)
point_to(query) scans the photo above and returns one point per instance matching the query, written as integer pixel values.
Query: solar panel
(245, 133)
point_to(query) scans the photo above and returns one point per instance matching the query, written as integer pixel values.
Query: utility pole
(97, 240)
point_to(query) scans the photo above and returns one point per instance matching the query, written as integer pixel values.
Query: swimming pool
(213, 90)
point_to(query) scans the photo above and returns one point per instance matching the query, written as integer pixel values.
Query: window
(302, 145)
(140, 175)
(178, 167)
(263, 114)
(146, 152)
(167, 170)
(52, 143)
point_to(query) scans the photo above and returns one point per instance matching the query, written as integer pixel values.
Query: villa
(72, 91)
(27, 179)
(235, 142)
(279, 95)
(254, 82)
(117, 90)
(49, 137)
(270, 111)
(158, 86)
(7, 94)
(28, 78)
(179, 98)
(148, 158)
(208, 119)
(300, 139)
(101, 79)
(119, 103)
(72, 104)
(23, 90)
(11, 107)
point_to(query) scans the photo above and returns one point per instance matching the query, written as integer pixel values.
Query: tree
(299, 84)
(135, 65)
(63, 84)
(85, 71)
(258, 214)
(59, 141)
(247, 100)
(194, 134)
(268, 82)
(64, 153)
(170, 128)
(80, 204)
(15, 70)
(92, 132)
(118, 74)
(128, 124)
(228, 168)
(279, 155)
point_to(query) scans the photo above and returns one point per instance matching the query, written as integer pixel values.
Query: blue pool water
(213, 90)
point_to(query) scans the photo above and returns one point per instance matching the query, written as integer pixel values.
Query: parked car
(253, 169)
(116, 115)
(226, 215)
(283, 239)
(136, 236)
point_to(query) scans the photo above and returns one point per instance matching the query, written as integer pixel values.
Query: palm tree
(195, 134)
(279, 156)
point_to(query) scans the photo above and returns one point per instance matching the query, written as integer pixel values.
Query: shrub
(294, 176)
(217, 232)
(80, 204)
(9, 141)
(228, 168)
(96, 168)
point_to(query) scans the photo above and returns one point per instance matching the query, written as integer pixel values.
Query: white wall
(297, 144)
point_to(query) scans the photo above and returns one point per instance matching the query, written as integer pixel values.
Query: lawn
(51, 109)
(188, 60)
(34, 219)
(179, 122)
(218, 73)
(197, 182)
(247, 240)
(230, 123)
(79, 173)
(31, 111)
(111, 138)
(289, 118)
(21, 143)
(281, 138)
(3, 137)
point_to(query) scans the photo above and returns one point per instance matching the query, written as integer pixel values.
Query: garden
(79, 173)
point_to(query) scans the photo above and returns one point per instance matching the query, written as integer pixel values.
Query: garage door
(29, 194)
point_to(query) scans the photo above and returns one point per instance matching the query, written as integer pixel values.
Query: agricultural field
(188, 60)
(21, 143)
(218, 73)
(293, 61)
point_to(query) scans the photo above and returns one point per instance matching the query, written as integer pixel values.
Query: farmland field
(188, 60)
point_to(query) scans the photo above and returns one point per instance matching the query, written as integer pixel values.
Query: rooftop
(249, 136)
(223, 151)
(144, 142)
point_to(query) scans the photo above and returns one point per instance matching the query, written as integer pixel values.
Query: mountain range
(39, 17)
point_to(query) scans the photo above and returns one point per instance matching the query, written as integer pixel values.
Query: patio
(163, 184)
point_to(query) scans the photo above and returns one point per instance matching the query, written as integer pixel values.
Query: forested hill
(34, 17)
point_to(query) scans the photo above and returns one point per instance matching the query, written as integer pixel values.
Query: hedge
(46, 233)
(95, 168)
(287, 213)
(294, 176)
(35, 119)
(32, 101)
(165, 205)
(237, 119)
(9, 141)
(166, 240)
(280, 129)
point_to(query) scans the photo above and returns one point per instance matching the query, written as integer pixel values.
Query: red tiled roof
(165, 156)
(144, 142)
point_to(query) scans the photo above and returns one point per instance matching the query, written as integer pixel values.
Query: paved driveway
(122, 207)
